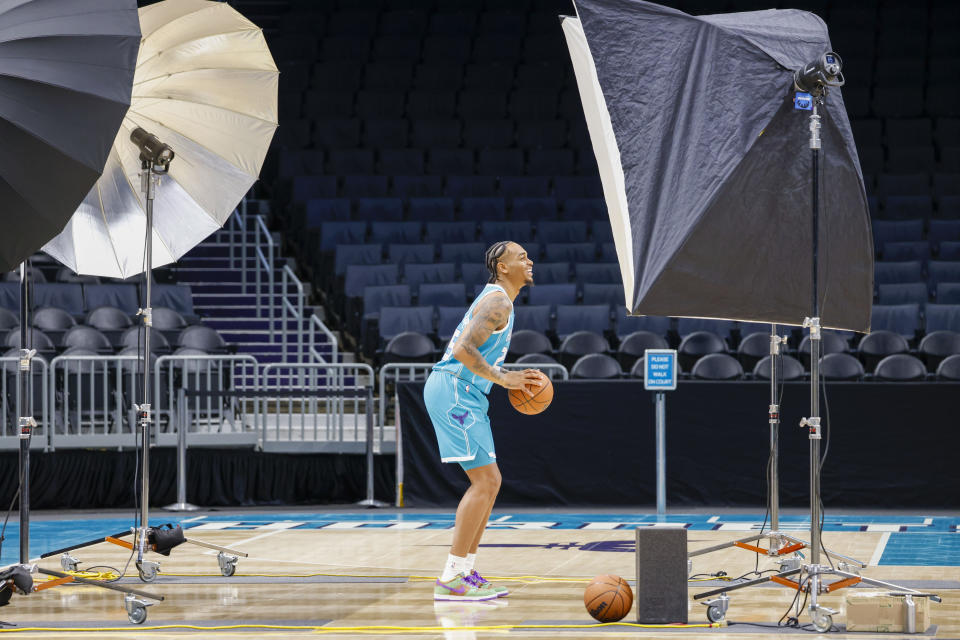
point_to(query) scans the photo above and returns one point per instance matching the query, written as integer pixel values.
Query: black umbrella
(66, 75)
(706, 166)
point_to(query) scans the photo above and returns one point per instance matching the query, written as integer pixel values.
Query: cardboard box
(878, 611)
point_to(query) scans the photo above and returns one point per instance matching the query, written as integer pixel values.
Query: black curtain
(890, 445)
(89, 479)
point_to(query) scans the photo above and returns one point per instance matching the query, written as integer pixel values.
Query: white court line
(502, 519)
(194, 519)
(878, 552)
(237, 544)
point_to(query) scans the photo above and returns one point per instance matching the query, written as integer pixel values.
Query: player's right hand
(522, 380)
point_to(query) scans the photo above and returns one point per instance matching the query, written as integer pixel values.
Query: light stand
(135, 601)
(25, 420)
(779, 543)
(812, 82)
(155, 159)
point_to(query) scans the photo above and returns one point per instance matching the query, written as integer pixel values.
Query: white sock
(455, 565)
(471, 562)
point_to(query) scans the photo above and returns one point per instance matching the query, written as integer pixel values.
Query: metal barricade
(10, 403)
(91, 400)
(220, 414)
(413, 372)
(317, 407)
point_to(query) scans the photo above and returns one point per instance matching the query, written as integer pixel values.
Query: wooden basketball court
(354, 573)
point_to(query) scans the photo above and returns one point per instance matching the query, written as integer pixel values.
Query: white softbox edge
(604, 148)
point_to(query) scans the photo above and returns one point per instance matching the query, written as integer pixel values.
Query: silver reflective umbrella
(205, 84)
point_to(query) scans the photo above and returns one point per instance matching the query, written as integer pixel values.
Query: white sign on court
(660, 369)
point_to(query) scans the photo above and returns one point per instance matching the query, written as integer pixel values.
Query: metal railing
(291, 310)
(317, 407)
(216, 405)
(315, 329)
(91, 400)
(264, 252)
(10, 403)
(394, 373)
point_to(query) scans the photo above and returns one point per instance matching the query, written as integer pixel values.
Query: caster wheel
(823, 622)
(715, 614)
(137, 615)
(228, 570)
(147, 575)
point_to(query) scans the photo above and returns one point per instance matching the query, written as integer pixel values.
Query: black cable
(823, 458)
(792, 621)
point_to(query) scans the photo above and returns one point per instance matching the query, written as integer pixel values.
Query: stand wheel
(228, 570)
(715, 614)
(137, 615)
(822, 622)
(147, 574)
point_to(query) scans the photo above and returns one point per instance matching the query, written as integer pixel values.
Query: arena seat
(333, 234)
(598, 273)
(788, 368)
(900, 367)
(433, 209)
(948, 293)
(558, 232)
(573, 318)
(551, 273)
(534, 317)
(479, 209)
(753, 348)
(448, 319)
(595, 366)
(409, 346)
(416, 253)
(633, 346)
(132, 338)
(717, 366)
(937, 346)
(941, 316)
(697, 344)
(397, 320)
(552, 294)
(949, 369)
(449, 294)
(492, 231)
(900, 318)
(527, 341)
(440, 233)
(877, 345)
(903, 293)
(438, 272)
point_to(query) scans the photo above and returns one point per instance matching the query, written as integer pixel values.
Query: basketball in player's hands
(539, 400)
(608, 598)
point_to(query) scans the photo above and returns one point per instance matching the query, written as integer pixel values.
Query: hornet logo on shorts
(460, 419)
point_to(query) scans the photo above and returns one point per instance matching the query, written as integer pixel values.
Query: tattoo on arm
(491, 315)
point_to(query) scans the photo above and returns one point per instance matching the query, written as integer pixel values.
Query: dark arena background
(289, 350)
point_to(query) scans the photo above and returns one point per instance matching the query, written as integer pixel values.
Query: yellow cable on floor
(89, 575)
(370, 628)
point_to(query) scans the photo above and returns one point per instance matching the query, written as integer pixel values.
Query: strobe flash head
(151, 149)
(823, 72)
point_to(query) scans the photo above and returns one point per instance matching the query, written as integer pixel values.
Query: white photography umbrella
(206, 85)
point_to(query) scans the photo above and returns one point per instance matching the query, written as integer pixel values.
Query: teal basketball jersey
(493, 350)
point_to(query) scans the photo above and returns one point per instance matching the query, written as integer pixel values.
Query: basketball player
(456, 398)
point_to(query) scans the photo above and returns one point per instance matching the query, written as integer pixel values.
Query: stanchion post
(659, 375)
(661, 403)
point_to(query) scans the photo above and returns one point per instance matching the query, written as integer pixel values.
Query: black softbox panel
(706, 165)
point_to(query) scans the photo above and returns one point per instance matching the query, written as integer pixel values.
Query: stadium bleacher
(419, 132)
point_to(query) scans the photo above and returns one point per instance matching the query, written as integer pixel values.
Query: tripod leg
(748, 583)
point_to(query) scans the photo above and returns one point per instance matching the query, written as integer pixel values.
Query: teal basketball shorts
(458, 411)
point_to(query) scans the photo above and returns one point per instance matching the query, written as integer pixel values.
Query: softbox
(706, 167)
